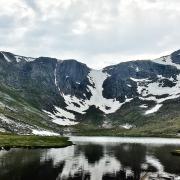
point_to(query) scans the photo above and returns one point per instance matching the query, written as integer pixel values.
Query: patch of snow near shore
(127, 126)
(96, 78)
(43, 133)
(6, 120)
(25, 127)
(2, 130)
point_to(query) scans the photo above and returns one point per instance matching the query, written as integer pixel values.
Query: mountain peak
(10, 57)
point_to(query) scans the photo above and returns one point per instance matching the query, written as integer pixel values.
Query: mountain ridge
(65, 90)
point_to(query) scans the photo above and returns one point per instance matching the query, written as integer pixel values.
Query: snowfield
(96, 78)
(43, 133)
(147, 89)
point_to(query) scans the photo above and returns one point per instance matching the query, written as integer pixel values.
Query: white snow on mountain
(154, 109)
(62, 117)
(127, 126)
(22, 58)
(157, 88)
(5, 57)
(61, 112)
(166, 60)
(96, 78)
(17, 58)
(143, 106)
(148, 90)
(43, 133)
(19, 125)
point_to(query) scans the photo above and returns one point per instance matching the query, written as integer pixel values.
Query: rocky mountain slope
(43, 93)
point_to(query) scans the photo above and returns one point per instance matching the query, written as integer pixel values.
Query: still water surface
(95, 158)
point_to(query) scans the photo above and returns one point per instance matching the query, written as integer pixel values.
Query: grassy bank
(168, 129)
(13, 141)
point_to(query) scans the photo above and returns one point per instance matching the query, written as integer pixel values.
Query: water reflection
(89, 160)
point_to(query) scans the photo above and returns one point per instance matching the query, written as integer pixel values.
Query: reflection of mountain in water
(125, 161)
(19, 164)
(91, 161)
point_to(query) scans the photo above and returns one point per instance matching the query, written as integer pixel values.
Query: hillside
(46, 96)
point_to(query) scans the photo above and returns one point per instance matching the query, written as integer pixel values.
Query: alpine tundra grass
(19, 141)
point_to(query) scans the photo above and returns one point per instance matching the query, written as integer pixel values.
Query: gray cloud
(97, 33)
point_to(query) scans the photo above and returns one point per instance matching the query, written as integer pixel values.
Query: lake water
(95, 158)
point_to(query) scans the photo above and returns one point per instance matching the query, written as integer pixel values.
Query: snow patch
(64, 122)
(5, 57)
(140, 80)
(96, 78)
(20, 58)
(64, 113)
(166, 60)
(143, 106)
(55, 77)
(18, 125)
(154, 109)
(5, 119)
(137, 69)
(43, 133)
(62, 117)
(149, 90)
(2, 130)
(156, 88)
(127, 126)
(107, 124)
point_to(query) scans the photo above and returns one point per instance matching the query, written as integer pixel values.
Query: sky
(96, 32)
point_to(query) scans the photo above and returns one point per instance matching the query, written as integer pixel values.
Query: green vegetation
(164, 123)
(10, 141)
(168, 128)
(17, 109)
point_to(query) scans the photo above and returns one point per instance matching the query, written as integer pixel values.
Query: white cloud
(95, 32)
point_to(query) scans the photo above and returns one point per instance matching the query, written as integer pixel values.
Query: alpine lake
(95, 158)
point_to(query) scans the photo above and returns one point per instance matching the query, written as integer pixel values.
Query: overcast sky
(95, 32)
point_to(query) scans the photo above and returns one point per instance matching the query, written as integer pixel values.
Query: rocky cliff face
(68, 90)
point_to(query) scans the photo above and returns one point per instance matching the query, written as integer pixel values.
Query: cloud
(97, 33)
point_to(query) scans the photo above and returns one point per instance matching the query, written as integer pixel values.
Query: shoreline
(33, 142)
(8, 141)
(125, 135)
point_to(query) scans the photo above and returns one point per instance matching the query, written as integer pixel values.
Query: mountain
(41, 95)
